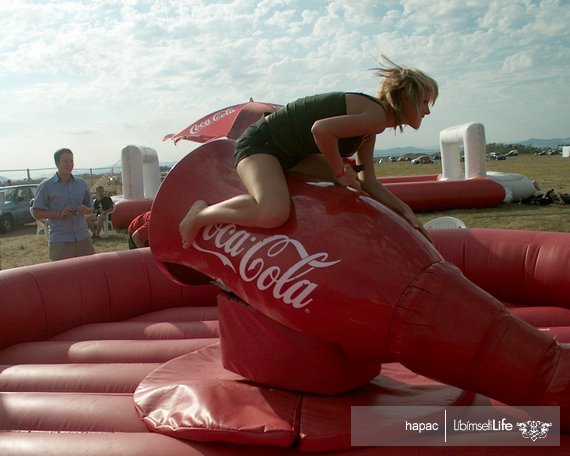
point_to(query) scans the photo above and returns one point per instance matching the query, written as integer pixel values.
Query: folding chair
(445, 222)
(108, 224)
(40, 226)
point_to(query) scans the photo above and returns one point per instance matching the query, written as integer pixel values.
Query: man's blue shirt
(55, 195)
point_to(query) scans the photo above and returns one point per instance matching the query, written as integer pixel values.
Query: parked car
(422, 160)
(15, 203)
(497, 156)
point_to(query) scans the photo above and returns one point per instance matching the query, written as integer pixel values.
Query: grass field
(549, 171)
(22, 247)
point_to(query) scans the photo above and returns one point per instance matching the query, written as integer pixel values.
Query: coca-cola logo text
(267, 263)
(210, 120)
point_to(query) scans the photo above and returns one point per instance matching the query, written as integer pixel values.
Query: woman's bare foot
(187, 228)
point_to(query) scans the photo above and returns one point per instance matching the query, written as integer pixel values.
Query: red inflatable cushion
(265, 351)
(193, 397)
(325, 421)
(541, 317)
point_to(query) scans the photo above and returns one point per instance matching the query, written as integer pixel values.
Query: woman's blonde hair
(401, 84)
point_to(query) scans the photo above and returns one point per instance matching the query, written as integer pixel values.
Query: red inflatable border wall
(421, 193)
(100, 390)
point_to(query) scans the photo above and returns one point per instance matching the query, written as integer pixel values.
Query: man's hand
(66, 212)
(85, 210)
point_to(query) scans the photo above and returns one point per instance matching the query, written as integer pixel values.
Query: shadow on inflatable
(343, 306)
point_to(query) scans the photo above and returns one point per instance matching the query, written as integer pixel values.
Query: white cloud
(518, 62)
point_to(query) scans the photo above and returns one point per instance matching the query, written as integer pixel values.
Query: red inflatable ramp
(193, 397)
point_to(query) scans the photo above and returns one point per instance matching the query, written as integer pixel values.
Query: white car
(422, 160)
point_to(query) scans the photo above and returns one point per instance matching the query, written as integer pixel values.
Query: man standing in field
(64, 200)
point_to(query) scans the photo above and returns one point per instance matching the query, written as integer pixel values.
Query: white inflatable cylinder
(141, 172)
(517, 187)
(449, 140)
(475, 150)
(472, 136)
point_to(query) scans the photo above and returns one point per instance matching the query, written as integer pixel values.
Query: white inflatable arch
(141, 172)
(472, 136)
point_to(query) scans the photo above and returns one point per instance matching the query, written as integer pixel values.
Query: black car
(15, 201)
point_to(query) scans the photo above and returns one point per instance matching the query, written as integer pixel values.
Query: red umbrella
(230, 122)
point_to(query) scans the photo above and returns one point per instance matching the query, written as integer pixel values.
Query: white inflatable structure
(472, 137)
(141, 172)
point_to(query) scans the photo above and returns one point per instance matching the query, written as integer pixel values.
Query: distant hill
(545, 143)
(532, 142)
(404, 150)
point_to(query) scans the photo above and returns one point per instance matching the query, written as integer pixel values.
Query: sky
(98, 75)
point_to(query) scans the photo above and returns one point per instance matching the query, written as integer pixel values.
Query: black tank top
(290, 126)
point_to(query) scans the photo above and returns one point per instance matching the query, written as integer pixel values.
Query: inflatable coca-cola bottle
(346, 270)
